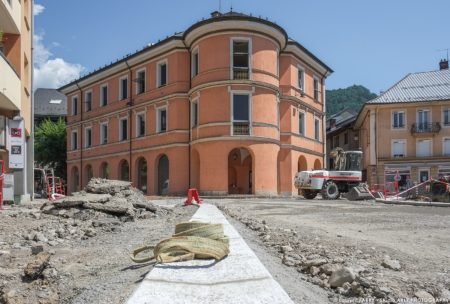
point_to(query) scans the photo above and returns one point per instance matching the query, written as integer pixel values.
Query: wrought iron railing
(240, 73)
(241, 128)
(431, 127)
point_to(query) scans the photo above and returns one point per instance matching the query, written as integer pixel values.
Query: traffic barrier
(192, 194)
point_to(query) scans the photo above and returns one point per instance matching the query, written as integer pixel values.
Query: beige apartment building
(16, 144)
(406, 130)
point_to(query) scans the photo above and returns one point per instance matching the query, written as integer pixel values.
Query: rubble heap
(113, 197)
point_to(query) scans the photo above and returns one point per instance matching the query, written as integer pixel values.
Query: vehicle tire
(308, 194)
(330, 190)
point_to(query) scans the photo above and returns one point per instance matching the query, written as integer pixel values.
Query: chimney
(216, 14)
(443, 64)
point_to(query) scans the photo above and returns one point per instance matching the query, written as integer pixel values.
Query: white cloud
(51, 72)
(37, 9)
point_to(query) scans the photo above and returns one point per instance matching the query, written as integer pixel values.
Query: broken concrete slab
(101, 185)
(35, 267)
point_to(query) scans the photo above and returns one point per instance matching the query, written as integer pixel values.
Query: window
(103, 95)
(88, 137)
(194, 114)
(336, 141)
(398, 120)
(444, 171)
(195, 63)
(74, 140)
(140, 86)
(301, 79)
(301, 123)
(161, 120)
(317, 129)
(123, 129)
(398, 148)
(316, 86)
(346, 138)
(241, 59)
(123, 88)
(241, 114)
(423, 147)
(161, 76)
(446, 117)
(140, 124)
(405, 178)
(104, 133)
(423, 120)
(75, 105)
(88, 101)
(446, 147)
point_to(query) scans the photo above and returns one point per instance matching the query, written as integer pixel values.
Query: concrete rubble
(108, 196)
(76, 249)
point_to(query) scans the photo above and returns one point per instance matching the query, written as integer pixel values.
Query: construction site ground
(89, 257)
(364, 236)
(394, 252)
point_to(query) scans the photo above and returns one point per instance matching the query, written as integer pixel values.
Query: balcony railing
(241, 128)
(240, 73)
(10, 12)
(9, 86)
(431, 127)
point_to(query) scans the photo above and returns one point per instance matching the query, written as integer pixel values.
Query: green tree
(352, 97)
(50, 145)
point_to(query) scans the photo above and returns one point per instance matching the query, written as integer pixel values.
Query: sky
(367, 42)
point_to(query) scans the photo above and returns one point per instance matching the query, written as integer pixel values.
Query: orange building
(230, 106)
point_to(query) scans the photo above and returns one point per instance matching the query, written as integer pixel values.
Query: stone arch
(240, 171)
(142, 174)
(104, 170)
(89, 172)
(124, 170)
(162, 175)
(302, 164)
(75, 175)
(317, 164)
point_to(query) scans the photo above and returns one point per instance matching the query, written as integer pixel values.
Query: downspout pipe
(81, 135)
(32, 108)
(324, 124)
(190, 118)
(130, 111)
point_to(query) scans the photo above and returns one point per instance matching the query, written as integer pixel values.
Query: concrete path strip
(239, 278)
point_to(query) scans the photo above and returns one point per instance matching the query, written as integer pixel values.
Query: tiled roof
(342, 119)
(46, 103)
(416, 87)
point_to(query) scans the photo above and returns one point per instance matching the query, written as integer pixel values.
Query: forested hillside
(352, 97)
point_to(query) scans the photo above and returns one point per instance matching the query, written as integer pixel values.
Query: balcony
(9, 86)
(10, 16)
(240, 73)
(424, 128)
(241, 128)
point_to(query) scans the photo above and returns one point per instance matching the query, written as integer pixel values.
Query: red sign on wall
(16, 132)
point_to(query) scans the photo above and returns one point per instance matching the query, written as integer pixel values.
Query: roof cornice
(301, 52)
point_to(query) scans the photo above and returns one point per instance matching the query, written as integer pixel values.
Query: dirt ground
(363, 236)
(89, 260)
(396, 254)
